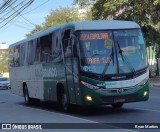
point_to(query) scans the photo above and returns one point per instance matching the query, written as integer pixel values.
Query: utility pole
(157, 59)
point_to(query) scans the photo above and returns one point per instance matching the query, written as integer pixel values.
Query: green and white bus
(101, 62)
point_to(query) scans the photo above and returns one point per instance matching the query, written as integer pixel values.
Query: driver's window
(66, 40)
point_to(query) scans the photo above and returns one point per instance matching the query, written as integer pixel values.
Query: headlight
(90, 86)
(143, 82)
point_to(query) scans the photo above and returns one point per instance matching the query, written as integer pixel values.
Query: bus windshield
(112, 52)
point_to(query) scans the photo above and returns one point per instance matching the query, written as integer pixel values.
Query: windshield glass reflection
(131, 50)
(97, 52)
(112, 52)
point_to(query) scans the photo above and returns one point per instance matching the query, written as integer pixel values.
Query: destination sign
(93, 36)
(97, 60)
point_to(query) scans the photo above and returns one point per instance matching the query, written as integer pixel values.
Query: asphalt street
(14, 110)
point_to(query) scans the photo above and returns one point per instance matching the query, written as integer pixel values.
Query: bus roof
(105, 25)
(85, 25)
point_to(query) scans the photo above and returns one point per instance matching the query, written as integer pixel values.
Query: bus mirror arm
(74, 44)
(74, 37)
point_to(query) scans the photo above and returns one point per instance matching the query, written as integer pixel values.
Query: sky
(19, 27)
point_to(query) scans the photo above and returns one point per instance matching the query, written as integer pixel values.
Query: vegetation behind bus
(144, 12)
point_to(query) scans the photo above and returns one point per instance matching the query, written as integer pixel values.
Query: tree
(57, 17)
(83, 2)
(36, 29)
(4, 61)
(145, 12)
(60, 16)
(86, 5)
(155, 14)
(140, 11)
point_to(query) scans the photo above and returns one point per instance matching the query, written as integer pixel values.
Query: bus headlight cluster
(145, 93)
(90, 86)
(89, 98)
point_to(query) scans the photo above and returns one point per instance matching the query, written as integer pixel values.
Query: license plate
(119, 100)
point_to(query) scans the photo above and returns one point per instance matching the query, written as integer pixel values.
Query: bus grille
(126, 98)
(119, 90)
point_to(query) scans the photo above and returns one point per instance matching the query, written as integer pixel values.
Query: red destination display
(93, 36)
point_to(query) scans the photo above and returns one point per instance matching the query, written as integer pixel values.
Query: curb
(155, 85)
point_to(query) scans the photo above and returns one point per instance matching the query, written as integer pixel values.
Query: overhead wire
(17, 12)
(18, 24)
(7, 12)
(5, 6)
(9, 9)
(12, 14)
(23, 16)
(36, 7)
(22, 26)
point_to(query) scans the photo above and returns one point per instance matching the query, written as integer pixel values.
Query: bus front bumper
(101, 97)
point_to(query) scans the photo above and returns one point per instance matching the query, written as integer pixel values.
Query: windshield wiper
(107, 64)
(125, 59)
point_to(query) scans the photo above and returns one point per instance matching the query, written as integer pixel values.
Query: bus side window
(16, 56)
(67, 49)
(22, 54)
(11, 57)
(37, 52)
(57, 51)
(74, 45)
(43, 49)
(31, 51)
(66, 41)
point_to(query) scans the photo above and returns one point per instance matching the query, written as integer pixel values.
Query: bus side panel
(37, 80)
(29, 75)
(17, 76)
(54, 73)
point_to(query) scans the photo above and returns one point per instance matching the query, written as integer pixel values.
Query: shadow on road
(84, 111)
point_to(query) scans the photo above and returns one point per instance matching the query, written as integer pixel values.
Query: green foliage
(155, 14)
(85, 4)
(82, 2)
(152, 36)
(138, 10)
(57, 17)
(60, 16)
(4, 60)
(144, 12)
(89, 15)
(36, 29)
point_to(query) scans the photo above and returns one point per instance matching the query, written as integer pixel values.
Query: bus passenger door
(69, 66)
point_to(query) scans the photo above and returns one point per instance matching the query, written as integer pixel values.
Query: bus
(88, 63)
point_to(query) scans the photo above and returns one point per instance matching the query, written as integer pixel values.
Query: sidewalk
(155, 81)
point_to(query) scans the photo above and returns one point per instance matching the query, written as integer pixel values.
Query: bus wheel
(27, 99)
(117, 105)
(65, 101)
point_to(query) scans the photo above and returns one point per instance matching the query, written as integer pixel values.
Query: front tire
(64, 101)
(117, 105)
(27, 99)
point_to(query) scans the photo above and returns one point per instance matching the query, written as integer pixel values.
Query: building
(3, 48)
(3, 45)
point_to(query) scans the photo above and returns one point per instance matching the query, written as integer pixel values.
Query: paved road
(13, 110)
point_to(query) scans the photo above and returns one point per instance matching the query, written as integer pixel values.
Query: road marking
(96, 122)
